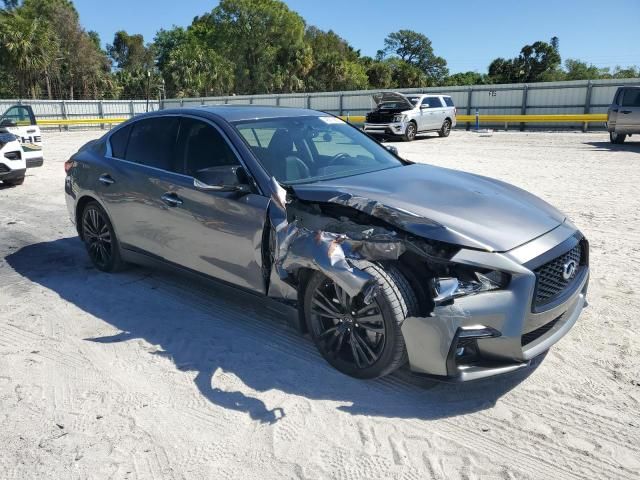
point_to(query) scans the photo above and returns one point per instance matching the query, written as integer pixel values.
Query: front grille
(550, 280)
(527, 338)
(380, 117)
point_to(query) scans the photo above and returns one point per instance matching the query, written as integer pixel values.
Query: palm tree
(29, 46)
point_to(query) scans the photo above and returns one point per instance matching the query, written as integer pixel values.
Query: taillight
(67, 165)
(455, 111)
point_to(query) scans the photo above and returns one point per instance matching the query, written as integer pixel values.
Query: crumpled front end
(479, 312)
(504, 330)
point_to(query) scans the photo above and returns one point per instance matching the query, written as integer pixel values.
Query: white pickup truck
(20, 144)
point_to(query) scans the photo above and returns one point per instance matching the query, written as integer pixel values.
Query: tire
(100, 238)
(446, 128)
(340, 340)
(14, 181)
(617, 138)
(410, 132)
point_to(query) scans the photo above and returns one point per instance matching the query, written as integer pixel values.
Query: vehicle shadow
(628, 146)
(222, 334)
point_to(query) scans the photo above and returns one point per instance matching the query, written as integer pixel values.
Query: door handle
(106, 179)
(625, 111)
(171, 199)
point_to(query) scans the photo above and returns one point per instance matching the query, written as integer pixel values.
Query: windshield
(308, 149)
(413, 100)
(393, 105)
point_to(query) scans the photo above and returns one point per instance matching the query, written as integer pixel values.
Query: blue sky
(468, 33)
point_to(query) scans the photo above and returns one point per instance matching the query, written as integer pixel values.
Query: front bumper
(500, 329)
(394, 129)
(13, 174)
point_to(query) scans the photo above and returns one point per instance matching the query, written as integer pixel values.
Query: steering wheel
(337, 157)
(302, 167)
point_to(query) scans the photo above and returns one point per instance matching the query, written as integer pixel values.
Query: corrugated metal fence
(575, 97)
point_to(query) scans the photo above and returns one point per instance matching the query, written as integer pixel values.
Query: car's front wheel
(445, 130)
(410, 132)
(100, 239)
(360, 340)
(616, 137)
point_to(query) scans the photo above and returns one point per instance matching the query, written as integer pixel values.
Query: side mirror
(222, 179)
(423, 106)
(392, 149)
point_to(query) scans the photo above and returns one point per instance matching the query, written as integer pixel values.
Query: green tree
(197, 70)
(335, 64)
(467, 78)
(578, 70)
(129, 52)
(537, 62)
(28, 49)
(264, 39)
(415, 49)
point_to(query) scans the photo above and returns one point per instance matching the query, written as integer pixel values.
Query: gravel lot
(144, 375)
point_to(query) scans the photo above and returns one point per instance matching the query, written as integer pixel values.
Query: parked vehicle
(623, 116)
(21, 121)
(406, 116)
(387, 261)
(12, 162)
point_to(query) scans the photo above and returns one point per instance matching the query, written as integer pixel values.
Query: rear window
(448, 101)
(152, 143)
(119, 142)
(631, 97)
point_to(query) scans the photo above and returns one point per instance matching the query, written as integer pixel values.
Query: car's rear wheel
(617, 137)
(15, 181)
(360, 340)
(100, 239)
(446, 128)
(410, 132)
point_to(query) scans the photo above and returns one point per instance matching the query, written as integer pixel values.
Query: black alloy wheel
(361, 340)
(99, 239)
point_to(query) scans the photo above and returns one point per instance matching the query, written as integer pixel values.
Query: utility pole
(148, 85)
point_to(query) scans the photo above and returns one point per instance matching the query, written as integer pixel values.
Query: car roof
(237, 113)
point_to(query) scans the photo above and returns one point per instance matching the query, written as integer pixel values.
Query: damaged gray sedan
(387, 261)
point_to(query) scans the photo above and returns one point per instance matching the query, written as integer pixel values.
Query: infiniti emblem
(569, 269)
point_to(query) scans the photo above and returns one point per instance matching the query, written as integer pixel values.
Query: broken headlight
(399, 118)
(445, 289)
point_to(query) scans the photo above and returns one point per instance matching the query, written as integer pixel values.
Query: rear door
(20, 120)
(628, 119)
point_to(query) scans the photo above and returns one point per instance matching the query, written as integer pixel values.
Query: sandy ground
(144, 375)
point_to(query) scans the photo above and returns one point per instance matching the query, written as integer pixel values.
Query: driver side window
(201, 147)
(17, 115)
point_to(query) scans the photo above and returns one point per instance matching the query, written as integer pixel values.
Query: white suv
(405, 116)
(12, 162)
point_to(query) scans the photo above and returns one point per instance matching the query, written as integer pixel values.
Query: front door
(215, 233)
(628, 118)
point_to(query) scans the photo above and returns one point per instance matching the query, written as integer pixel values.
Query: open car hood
(382, 97)
(441, 204)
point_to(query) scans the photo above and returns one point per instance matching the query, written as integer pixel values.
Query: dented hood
(441, 204)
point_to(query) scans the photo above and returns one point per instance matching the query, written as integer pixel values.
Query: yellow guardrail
(560, 118)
